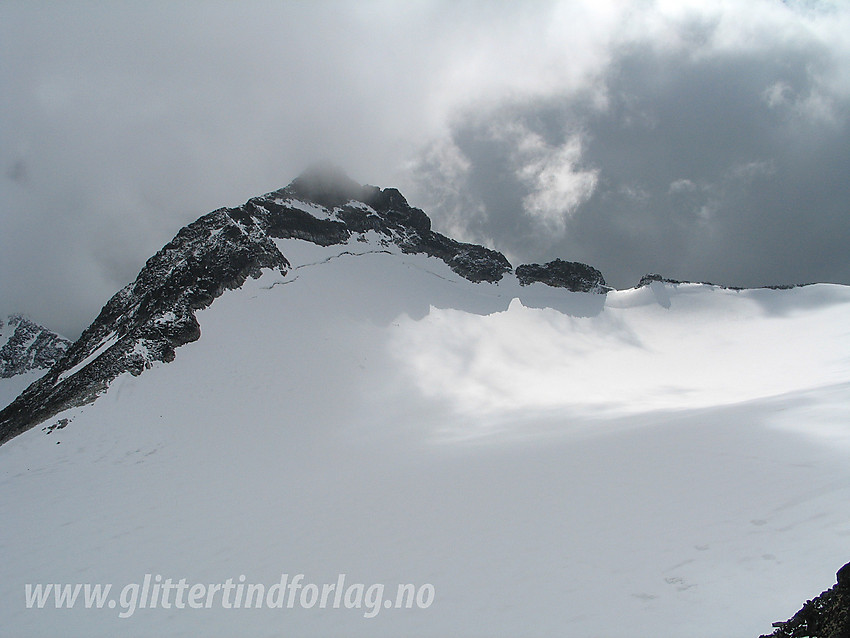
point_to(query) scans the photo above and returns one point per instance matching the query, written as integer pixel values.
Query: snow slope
(11, 387)
(665, 461)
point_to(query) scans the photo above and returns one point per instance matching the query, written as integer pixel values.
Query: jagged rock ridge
(827, 616)
(647, 279)
(27, 346)
(146, 320)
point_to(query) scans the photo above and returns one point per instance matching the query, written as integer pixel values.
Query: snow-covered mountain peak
(26, 346)
(27, 350)
(370, 397)
(321, 215)
(145, 321)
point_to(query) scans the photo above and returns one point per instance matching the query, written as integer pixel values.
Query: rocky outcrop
(647, 279)
(27, 346)
(827, 616)
(358, 209)
(572, 275)
(145, 321)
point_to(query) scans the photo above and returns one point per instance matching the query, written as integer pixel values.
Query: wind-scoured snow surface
(663, 461)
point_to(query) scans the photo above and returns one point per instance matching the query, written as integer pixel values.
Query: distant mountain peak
(26, 346)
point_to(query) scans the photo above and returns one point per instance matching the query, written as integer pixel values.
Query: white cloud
(558, 183)
(777, 94)
(748, 171)
(682, 186)
(141, 117)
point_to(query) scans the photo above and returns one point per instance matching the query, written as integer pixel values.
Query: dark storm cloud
(729, 166)
(704, 178)
(705, 140)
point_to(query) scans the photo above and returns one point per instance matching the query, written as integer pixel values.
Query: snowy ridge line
(217, 252)
(437, 434)
(221, 250)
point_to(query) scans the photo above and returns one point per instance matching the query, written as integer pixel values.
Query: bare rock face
(647, 279)
(146, 320)
(572, 275)
(827, 616)
(27, 346)
(358, 209)
(149, 318)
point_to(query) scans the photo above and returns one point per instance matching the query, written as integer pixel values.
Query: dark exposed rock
(145, 321)
(842, 576)
(28, 347)
(474, 262)
(284, 222)
(572, 275)
(827, 616)
(386, 211)
(649, 278)
(59, 425)
(149, 318)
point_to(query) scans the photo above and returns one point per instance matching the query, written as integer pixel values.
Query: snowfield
(663, 461)
(10, 388)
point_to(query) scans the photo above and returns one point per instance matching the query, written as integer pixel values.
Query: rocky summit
(146, 320)
(26, 346)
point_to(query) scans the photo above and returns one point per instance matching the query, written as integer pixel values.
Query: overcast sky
(701, 140)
